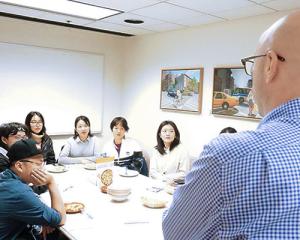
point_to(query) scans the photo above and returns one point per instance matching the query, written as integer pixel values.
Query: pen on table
(67, 188)
(89, 215)
(136, 222)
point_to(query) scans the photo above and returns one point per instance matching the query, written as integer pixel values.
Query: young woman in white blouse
(121, 147)
(170, 160)
(83, 146)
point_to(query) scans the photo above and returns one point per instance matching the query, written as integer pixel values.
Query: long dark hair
(29, 117)
(87, 122)
(160, 144)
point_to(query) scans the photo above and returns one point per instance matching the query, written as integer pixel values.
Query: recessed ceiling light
(134, 21)
(68, 7)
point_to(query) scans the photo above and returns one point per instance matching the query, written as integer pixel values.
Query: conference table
(104, 218)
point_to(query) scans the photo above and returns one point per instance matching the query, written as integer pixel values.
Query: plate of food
(153, 201)
(90, 166)
(56, 168)
(74, 207)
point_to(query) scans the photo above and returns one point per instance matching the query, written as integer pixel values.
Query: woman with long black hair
(170, 159)
(36, 125)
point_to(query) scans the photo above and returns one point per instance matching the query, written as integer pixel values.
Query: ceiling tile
(283, 4)
(244, 12)
(119, 19)
(162, 15)
(164, 27)
(203, 19)
(20, 11)
(117, 27)
(166, 12)
(212, 6)
(123, 5)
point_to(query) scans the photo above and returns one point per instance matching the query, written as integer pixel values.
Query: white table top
(104, 218)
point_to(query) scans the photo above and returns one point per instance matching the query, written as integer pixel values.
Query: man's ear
(18, 166)
(5, 140)
(271, 66)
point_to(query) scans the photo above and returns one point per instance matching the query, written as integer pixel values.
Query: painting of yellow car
(224, 100)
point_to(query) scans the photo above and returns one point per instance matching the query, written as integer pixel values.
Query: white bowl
(119, 198)
(118, 190)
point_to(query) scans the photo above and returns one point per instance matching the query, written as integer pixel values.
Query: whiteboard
(61, 84)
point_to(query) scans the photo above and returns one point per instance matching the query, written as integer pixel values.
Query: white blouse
(128, 146)
(173, 164)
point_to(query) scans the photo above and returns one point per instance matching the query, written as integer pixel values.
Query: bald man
(247, 185)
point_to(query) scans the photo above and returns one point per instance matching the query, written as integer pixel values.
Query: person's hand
(46, 230)
(40, 177)
(88, 160)
(85, 161)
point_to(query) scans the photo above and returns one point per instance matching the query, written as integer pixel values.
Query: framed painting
(232, 93)
(181, 89)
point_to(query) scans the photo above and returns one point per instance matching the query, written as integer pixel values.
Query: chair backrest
(62, 147)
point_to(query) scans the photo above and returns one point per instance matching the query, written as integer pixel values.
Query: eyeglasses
(16, 130)
(36, 123)
(18, 136)
(37, 164)
(249, 61)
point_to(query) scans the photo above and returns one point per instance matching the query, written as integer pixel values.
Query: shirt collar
(287, 111)
(3, 151)
(78, 140)
(8, 174)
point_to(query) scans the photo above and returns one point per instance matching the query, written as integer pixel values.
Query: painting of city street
(181, 89)
(232, 93)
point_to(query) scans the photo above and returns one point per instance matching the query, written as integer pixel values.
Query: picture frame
(232, 94)
(181, 89)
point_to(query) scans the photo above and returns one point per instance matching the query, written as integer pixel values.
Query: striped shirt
(244, 185)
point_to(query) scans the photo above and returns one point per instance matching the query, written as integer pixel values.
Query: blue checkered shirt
(244, 185)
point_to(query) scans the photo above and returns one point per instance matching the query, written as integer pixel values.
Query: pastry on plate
(106, 177)
(74, 207)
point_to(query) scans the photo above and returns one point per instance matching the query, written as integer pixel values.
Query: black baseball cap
(22, 149)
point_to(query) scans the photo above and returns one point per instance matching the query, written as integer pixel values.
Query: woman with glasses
(36, 125)
(83, 146)
(9, 134)
(170, 160)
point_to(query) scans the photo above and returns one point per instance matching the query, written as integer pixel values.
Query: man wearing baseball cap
(20, 207)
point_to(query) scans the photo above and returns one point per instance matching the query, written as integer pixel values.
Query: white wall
(44, 35)
(132, 71)
(209, 46)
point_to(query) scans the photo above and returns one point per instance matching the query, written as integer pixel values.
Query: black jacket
(49, 158)
(4, 162)
(47, 149)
